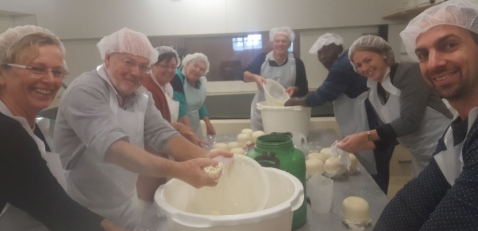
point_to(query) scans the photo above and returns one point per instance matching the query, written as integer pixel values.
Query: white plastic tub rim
(263, 105)
(205, 221)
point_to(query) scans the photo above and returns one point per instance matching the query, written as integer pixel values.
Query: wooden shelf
(410, 13)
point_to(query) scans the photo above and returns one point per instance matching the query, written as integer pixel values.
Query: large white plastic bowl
(277, 216)
(284, 119)
(275, 93)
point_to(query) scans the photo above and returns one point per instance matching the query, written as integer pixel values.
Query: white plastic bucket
(277, 216)
(285, 119)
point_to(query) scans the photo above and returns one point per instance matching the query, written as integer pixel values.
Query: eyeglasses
(57, 73)
(142, 68)
(173, 68)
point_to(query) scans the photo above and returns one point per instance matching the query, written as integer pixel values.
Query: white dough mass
(222, 146)
(232, 145)
(256, 135)
(319, 156)
(243, 138)
(355, 209)
(353, 163)
(247, 131)
(239, 151)
(313, 166)
(332, 166)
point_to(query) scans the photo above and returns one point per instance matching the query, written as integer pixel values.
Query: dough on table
(355, 209)
(319, 156)
(247, 131)
(222, 146)
(232, 145)
(353, 163)
(243, 138)
(327, 151)
(333, 167)
(313, 166)
(239, 151)
(256, 135)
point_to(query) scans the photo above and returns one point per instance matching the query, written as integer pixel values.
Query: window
(250, 42)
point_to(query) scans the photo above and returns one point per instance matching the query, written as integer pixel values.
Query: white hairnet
(325, 40)
(196, 57)
(165, 49)
(460, 13)
(285, 30)
(376, 43)
(128, 41)
(12, 35)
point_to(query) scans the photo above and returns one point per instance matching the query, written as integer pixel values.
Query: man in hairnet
(348, 92)
(444, 40)
(104, 119)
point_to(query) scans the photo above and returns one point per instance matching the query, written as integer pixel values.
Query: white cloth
(285, 75)
(195, 99)
(351, 117)
(172, 104)
(421, 143)
(113, 194)
(11, 217)
(450, 161)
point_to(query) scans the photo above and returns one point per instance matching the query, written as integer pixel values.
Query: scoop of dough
(232, 145)
(327, 152)
(256, 135)
(243, 138)
(247, 131)
(333, 167)
(355, 209)
(238, 151)
(222, 146)
(313, 166)
(319, 156)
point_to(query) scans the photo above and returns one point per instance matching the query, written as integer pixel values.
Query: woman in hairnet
(410, 111)
(32, 180)
(189, 85)
(279, 65)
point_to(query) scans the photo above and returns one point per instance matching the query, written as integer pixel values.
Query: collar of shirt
(127, 100)
(274, 63)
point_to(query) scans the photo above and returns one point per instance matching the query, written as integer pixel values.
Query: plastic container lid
(275, 94)
(242, 188)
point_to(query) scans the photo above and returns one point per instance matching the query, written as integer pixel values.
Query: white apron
(107, 189)
(421, 143)
(285, 75)
(11, 217)
(195, 99)
(450, 160)
(172, 104)
(351, 117)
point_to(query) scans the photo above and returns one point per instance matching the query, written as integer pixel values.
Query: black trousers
(383, 151)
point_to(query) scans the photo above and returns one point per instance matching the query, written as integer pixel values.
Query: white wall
(316, 72)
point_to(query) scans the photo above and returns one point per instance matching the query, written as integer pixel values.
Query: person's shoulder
(11, 130)
(88, 81)
(8, 124)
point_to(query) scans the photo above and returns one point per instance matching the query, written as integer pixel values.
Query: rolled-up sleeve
(88, 113)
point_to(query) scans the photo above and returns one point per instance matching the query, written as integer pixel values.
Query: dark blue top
(341, 79)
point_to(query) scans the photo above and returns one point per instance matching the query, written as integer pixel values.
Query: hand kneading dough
(327, 152)
(222, 146)
(247, 131)
(355, 209)
(319, 156)
(243, 138)
(333, 167)
(313, 166)
(232, 145)
(353, 163)
(256, 135)
(238, 151)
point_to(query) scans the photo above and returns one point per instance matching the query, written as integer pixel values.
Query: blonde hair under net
(128, 41)
(325, 40)
(285, 30)
(372, 42)
(165, 49)
(196, 57)
(13, 35)
(460, 13)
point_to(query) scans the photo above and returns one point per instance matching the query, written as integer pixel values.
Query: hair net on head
(325, 40)
(196, 57)
(165, 49)
(128, 41)
(460, 13)
(12, 35)
(285, 30)
(373, 42)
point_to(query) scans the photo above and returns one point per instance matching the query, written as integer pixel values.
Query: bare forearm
(181, 149)
(249, 77)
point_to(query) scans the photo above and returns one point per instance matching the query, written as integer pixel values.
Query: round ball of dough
(313, 166)
(216, 149)
(319, 156)
(327, 152)
(247, 131)
(243, 138)
(333, 167)
(239, 151)
(355, 209)
(232, 145)
(256, 135)
(353, 163)
(222, 146)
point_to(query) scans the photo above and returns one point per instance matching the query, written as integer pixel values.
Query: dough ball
(232, 145)
(216, 149)
(319, 156)
(313, 166)
(239, 151)
(355, 209)
(353, 163)
(222, 146)
(327, 152)
(333, 167)
(243, 138)
(256, 135)
(247, 131)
